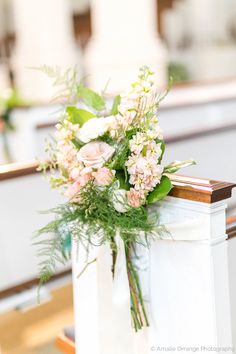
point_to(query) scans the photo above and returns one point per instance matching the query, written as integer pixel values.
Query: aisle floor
(34, 331)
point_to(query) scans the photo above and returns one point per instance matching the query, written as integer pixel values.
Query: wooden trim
(200, 133)
(64, 344)
(29, 284)
(231, 227)
(41, 126)
(14, 170)
(199, 189)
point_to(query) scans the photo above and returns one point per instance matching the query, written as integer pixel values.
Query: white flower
(94, 128)
(120, 201)
(95, 154)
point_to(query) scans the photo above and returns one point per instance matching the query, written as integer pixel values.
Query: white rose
(94, 128)
(95, 154)
(119, 200)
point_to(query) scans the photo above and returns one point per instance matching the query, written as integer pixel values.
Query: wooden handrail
(200, 190)
(18, 169)
(65, 344)
(231, 227)
(29, 284)
(196, 189)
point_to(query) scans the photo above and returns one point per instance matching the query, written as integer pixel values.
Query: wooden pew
(66, 343)
(23, 193)
(197, 190)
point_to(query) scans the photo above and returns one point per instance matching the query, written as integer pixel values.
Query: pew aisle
(34, 331)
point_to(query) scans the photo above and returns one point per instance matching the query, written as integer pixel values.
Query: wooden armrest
(231, 226)
(65, 344)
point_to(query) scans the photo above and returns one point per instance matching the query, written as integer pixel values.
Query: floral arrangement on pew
(108, 162)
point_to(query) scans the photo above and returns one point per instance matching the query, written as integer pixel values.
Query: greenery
(92, 215)
(160, 191)
(178, 72)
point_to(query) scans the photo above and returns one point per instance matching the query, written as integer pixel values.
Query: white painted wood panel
(21, 199)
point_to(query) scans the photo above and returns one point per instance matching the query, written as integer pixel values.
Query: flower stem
(138, 308)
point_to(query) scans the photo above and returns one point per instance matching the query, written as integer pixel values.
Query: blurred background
(192, 41)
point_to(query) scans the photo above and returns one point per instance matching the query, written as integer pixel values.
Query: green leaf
(116, 102)
(161, 190)
(91, 98)
(78, 115)
(76, 143)
(162, 149)
(120, 175)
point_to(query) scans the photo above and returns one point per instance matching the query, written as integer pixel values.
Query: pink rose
(135, 198)
(95, 154)
(103, 176)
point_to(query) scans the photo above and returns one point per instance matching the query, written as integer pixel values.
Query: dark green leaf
(91, 99)
(161, 190)
(116, 102)
(78, 115)
(120, 175)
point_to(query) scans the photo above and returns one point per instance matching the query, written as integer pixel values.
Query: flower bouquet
(108, 161)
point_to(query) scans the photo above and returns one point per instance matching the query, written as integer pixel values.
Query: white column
(189, 284)
(44, 36)
(212, 24)
(201, 21)
(124, 38)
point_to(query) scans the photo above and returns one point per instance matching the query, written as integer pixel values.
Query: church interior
(191, 45)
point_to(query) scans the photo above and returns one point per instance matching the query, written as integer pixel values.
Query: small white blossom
(94, 128)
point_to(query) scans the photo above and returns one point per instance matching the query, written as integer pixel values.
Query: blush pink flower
(74, 188)
(2, 125)
(95, 154)
(103, 176)
(135, 198)
(75, 173)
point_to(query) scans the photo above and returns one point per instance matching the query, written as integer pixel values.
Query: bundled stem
(138, 310)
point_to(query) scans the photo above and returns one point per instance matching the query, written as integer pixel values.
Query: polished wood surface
(14, 170)
(231, 227)
(65, 344)
(29, 284)
(199, 189)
